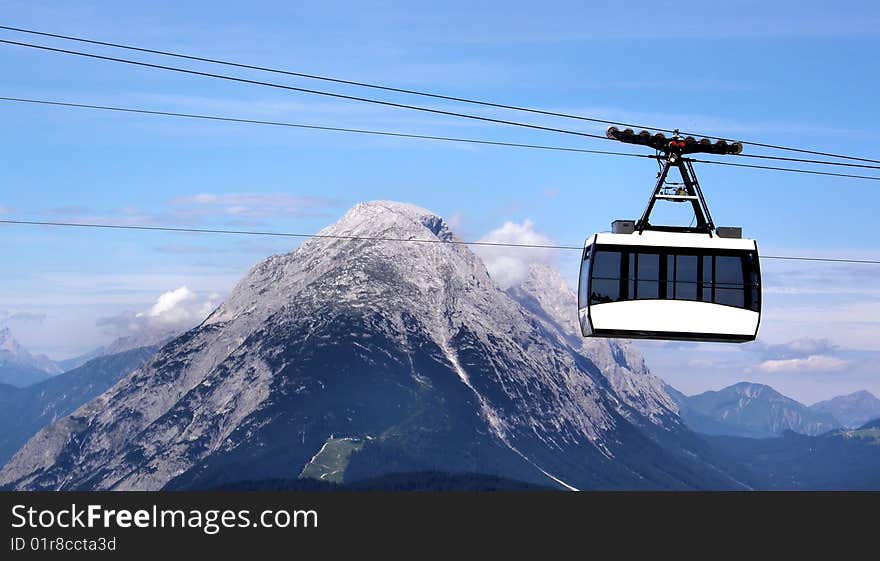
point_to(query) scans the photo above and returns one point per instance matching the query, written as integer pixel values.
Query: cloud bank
(251, 205)
(510, 265)
(173, 311)
(194, 210)
(812, 363)
(805, 355)
(21, 317)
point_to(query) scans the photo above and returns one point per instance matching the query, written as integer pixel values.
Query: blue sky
(792, 73)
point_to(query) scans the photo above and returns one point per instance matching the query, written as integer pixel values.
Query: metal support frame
(694, 194)
(673, 150)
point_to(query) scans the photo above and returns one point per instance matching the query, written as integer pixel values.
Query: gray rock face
(409, 349)
(546, 294)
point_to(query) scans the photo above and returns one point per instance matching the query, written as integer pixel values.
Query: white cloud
(793, 280)
(22, 317)
(509, 265)
(701, 363)
(193, 210)
(251, 205)
(852, 325)
(812, 363)
(124, 216)
(173, 311)
(180, 306)
(246, 246)
(798, 348)
(455, 222)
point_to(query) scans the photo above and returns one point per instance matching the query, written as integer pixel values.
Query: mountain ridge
(20, 368)
(410, 350)
(24, 411)
(752, 410)
(852, 410)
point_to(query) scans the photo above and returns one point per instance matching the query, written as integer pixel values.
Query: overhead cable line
(305, 90)
(276, 234)
(317, 77)
(792, 170)
(172, 229)
(320, 127)
(823, 259)
(415, 92)
(807, 161)
(403, 135)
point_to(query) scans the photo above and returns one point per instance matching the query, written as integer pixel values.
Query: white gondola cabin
(664, 285)
(683, 283)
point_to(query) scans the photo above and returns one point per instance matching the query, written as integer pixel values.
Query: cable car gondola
(695, 283)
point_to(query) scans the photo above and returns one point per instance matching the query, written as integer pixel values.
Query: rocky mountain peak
(368, 234)
(7, 342)
(374, 217)
(12, 352)
(754, 410)
(406, 355)
(861, 395)
(852, 410)
(755, 390)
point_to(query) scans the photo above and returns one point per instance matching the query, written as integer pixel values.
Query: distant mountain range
(853, 410)
(752, 410)
(759, 411)
(24, 411)
(20, 368)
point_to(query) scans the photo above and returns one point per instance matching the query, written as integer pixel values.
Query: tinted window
(629, 273)
(730, 280)
(706, 287)
(752, 269)
(752, 274)
(649, 266)
(685, 277)
(686, 268)
(730, 296)
(605, 286)
(729, 270)
(607, 265)
(685, 291)
(751, 298)
(648, 290)
(707, 269)
(648, 276)
(584, 281)
(605, 290)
